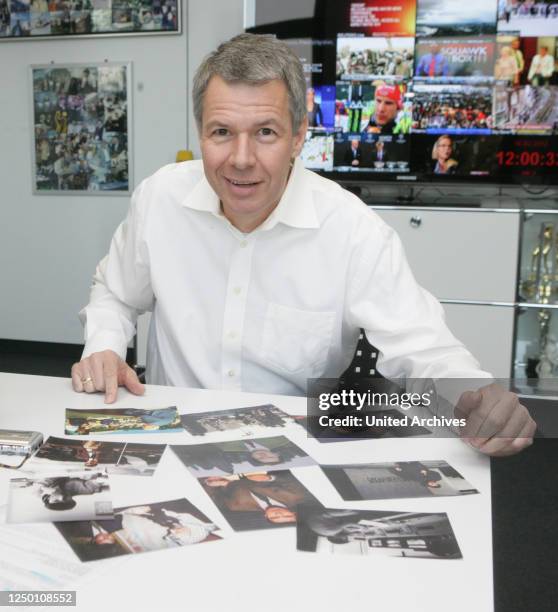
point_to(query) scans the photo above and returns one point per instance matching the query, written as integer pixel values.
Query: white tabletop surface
(263, 570)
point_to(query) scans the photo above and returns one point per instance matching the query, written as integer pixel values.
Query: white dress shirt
(543, 65)
(264, 311)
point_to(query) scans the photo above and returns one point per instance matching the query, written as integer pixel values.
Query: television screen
(426, 89)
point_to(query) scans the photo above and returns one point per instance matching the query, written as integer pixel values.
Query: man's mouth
(241, 183)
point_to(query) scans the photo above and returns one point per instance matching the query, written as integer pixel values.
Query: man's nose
(242, 154)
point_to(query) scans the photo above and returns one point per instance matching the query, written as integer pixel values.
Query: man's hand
(497, 424)
(105, 371)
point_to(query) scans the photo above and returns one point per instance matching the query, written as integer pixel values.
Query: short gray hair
(254, 59)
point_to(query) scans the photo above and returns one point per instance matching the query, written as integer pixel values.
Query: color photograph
(122, 420)
(256, 501)
(244, 422)
(61, 454)
(138, 529)
(242, 456)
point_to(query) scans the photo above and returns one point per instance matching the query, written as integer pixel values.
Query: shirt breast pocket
(297, 340)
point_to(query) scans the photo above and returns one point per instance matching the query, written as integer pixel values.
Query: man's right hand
(105, 371)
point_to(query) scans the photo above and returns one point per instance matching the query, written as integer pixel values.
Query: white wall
(49, 245)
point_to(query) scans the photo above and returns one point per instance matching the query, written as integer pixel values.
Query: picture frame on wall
(39, 19)
(81, 137)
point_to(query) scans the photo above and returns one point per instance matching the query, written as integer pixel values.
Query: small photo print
(244, 422)
(242, 456)
(367, 532)
(138, 529)
(262, 500)
(45, 498)
(122, 421)
(397, 480)
(61, 454)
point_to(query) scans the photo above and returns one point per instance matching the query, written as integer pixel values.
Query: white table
(263, 570)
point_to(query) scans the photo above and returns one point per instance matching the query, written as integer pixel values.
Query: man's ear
(299, 138)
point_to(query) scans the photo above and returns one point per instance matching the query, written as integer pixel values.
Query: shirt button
(237, 290)
(231, 373)
(243, 244)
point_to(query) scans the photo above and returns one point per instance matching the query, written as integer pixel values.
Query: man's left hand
(497, 424)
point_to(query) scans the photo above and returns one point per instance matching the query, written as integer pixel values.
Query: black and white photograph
(242, 456)
(393, 480)
(243, 422)
(82, 119)
(419, 535)
(62, 454)
(51, 497)
(261, 500)
(138, 529)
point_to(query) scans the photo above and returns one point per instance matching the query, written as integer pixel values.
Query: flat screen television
(415, 90)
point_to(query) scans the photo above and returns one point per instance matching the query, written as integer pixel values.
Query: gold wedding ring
(87, 380)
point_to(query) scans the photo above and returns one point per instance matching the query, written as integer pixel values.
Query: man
(388, 102)
(353, 154)
(260, 273)
(433, 64)
(542, 68)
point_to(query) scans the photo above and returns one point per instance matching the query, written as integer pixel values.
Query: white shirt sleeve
(401, 319)
(121, 286)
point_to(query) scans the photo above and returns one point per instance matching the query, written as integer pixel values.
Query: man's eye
(220, 132)
(267, 132)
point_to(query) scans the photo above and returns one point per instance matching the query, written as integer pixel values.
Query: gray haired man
(259, 273)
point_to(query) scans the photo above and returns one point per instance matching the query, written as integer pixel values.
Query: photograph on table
(82, 128)
(260, 500)
(378, 107)
(138, 529)
(392, 480)
(460, 58)
(350, 434)
(62, 454)
(526, 109)
(243, 422)
(58, 18)
(451, 107)
(528, 17)
(122, 420)
(449, 155)
(54, 497)
(530, 60)
(456, 18)
(370, 152)
(365, 58)
(369, 532)
(242, 456)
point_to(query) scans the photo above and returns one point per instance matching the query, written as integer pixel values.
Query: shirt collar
(296, 207)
